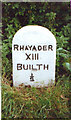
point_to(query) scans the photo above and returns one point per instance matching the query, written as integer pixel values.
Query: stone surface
(34, 56)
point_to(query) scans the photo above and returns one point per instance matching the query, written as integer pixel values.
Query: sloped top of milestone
(34, 30)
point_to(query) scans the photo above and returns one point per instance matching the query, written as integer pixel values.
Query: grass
(27, 102)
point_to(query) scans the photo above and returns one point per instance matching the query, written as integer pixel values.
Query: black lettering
(39, 66)
(26, 48)
(19, 66)
(30, 47)
(22, 47)
(32, 56)
(45, 48)
(34, 48)
(16, 47)
(29, 67)
(31, 77)
(28, 56)
(50, 47)
(37, 56)
(39, 47)
(33, 68)
(44, 67)
(25, 68)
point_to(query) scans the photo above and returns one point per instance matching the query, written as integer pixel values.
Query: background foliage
(55, 17)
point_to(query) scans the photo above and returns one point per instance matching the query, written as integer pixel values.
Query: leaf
(67, 65)
(61, 49)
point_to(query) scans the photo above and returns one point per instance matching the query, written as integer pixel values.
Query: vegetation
(51, 102)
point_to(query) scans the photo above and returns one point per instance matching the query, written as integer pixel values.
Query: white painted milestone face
(34, 56)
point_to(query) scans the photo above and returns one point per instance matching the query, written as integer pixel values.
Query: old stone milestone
(34, 56)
